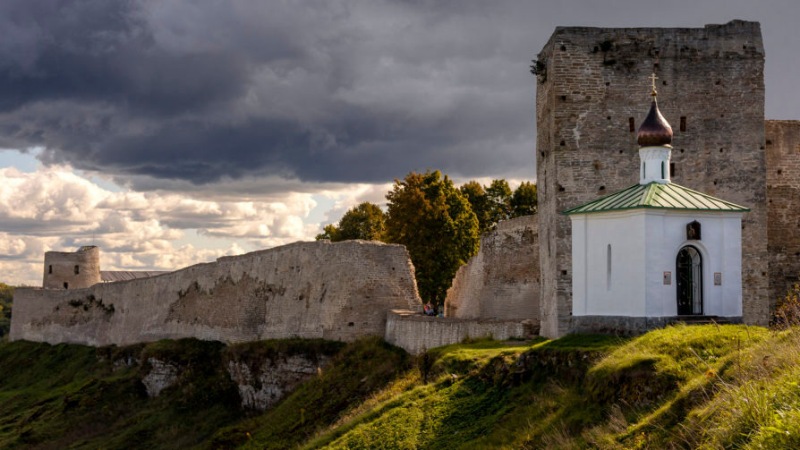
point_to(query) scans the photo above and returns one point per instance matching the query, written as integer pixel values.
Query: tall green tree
(525, 200)
(491, 204)
(498, 195)
(436, 223)
(476, 195)
(329, 232)
(6, 296)
(365, 221)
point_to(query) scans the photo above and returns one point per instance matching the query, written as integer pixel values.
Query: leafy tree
(365, 221)
(435, 222)
(476, 195)
(491, 204)
(525, 201)
(6, 296)
(498, 195)
(329, 232)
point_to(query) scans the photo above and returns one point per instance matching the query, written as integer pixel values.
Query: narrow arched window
(644, 169)
(50, 269)
(663, 170)
(77, 270)
(608, 267)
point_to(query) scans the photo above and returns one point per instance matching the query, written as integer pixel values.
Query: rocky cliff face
(266, 385)
(263, 372)
(161, 376)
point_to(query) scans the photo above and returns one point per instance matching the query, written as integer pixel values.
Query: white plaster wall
(645, 244)
(593, 294)
(720, 247)
(650, 164)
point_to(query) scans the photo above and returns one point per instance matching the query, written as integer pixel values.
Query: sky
(175, 132)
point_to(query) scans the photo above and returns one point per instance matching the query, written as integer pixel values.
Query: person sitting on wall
(428, 309)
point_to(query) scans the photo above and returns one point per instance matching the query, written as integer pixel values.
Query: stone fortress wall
(338, 291)
(783, 203)
(592, 93)
(72, 270)
(502, 281)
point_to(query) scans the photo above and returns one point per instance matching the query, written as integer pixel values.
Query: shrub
(787, 311)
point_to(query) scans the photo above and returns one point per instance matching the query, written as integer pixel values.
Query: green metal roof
(657, 196)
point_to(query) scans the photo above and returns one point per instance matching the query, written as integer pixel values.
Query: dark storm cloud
(103, 51)
(318, 91)
(166, 93)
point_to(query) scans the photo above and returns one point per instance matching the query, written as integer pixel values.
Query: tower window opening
(66, 285)
(77, 270)
(672, 168)
(663, 170)
(50, 269)
(683, 123)
(631, 124)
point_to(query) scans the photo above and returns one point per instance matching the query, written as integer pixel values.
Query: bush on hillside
(787, 311)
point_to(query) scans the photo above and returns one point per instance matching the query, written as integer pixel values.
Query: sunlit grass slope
(706, 386)
(680, 387)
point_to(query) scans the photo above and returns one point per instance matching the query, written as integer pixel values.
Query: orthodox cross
(653, 78)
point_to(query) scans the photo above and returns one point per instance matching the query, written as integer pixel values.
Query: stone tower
(712, 82)
(783, 199)
(72, 270)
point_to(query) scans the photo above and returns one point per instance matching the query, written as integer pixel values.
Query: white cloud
(57, 208)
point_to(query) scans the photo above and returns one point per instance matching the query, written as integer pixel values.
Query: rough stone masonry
(783, 204)
(338, 291)
(501, 282)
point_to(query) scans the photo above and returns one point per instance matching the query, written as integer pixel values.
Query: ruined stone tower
(588, 104)
(72, 270)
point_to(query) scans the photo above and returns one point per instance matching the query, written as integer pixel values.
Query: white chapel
(655, 252)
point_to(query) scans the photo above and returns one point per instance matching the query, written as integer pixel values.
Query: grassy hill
(682, 387)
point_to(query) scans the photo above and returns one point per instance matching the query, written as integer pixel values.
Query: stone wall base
(416, 333)
(631, 326)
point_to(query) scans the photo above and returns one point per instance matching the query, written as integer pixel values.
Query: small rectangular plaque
(717, 278)
(667, 278)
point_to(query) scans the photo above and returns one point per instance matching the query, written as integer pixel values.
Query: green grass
(576, 392)
(706, 386)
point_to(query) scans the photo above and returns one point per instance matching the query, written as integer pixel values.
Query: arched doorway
(689, 274)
